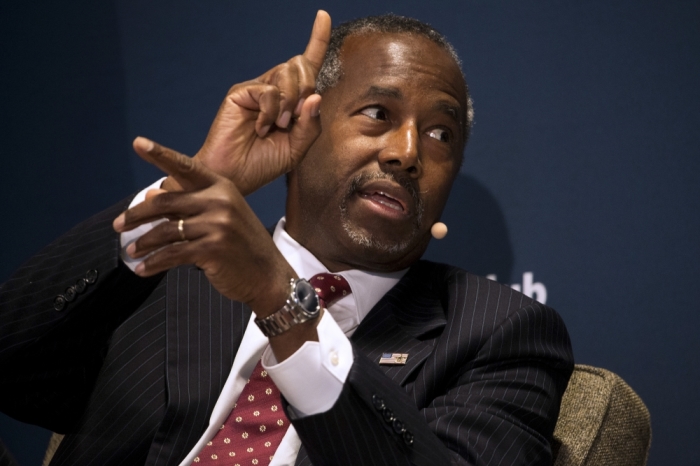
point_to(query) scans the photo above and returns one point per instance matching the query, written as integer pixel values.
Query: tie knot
(330, 287)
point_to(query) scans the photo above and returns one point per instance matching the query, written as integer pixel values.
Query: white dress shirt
(312, 378)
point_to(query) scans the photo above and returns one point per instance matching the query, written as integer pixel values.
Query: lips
(390, 196)
(384, 199)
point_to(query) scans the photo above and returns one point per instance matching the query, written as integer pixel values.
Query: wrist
(272, 300)
(272, 297)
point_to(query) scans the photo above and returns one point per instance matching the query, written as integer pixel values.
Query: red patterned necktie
(257, 423)
(330, 287)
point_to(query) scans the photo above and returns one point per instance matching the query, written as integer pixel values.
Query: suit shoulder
(445, 274)
(461, 290)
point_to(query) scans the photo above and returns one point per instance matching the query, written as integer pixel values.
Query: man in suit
(138, 345)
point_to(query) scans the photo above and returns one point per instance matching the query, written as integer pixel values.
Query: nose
(402, 150)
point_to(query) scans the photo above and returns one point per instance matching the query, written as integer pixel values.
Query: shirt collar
(367, 287)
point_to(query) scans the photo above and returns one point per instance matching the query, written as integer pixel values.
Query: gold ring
(181, 229)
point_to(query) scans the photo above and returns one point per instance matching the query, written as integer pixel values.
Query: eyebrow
(377, 91)
(454, 111)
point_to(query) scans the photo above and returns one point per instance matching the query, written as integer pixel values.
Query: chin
(392, 247)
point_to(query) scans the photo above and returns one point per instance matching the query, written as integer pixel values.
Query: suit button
(91, 276)
(59, 303)
(408, 438)
(378, 403)
(70, 293)
(80, 285)
(388, 415)
(399, 427)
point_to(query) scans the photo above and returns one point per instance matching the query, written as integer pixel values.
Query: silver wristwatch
(302, 305)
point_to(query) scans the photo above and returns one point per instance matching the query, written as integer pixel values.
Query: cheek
(342, 155)
(437, 190)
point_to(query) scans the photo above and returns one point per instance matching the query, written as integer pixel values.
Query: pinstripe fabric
(131, 369)
(128, 401)
(205, 330)
(165, 368)
(132, 376)
(486, 370)
(50, 360)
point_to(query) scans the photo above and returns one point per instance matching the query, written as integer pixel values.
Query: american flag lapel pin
(393, 359)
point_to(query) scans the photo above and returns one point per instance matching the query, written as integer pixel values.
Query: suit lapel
(406, 320)
(204, 331)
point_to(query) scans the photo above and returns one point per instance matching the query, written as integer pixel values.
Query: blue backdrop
(579, 183)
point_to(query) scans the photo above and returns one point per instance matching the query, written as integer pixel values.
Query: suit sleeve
(493, 402)
(56, 315)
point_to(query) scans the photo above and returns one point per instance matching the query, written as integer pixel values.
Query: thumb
(306, 129)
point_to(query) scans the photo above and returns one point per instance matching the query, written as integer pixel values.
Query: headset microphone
(438, 230)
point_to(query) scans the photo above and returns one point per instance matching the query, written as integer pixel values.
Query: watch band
(293, 312)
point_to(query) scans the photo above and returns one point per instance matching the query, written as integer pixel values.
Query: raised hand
(264, 127)
(220, 233)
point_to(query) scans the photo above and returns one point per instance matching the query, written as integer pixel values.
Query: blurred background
(579, 185)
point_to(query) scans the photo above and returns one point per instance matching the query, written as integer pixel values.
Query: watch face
(306, 296)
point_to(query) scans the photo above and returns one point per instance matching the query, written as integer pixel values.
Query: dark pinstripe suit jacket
(131, 368)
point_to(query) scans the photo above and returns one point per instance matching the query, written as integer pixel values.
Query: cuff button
(70, 294)
(81, 285)
(399, 427)
(59, 303)
(408, 438)
(388, 415)
(91, 276)
(378, 402)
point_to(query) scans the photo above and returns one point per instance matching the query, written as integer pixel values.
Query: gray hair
(332, 70)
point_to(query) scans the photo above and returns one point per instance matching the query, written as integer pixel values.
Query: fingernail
(140, 269)
(284, 119)
(316, 109)
(131, 249)
(118, 223)
(264, 130)
(297, 111)
(145, 144)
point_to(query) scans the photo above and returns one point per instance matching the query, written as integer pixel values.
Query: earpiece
(438, 230)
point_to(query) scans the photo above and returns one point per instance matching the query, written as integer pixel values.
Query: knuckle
(273, 91)
(269, 95)
(297, 61)
(283, 68)
(223, 224)
(237, 87)
(187, 165)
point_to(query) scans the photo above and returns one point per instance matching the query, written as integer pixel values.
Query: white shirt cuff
(312, 378)
(130, 236)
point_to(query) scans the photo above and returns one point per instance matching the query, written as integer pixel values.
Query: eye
(375, 112)
(440, 134)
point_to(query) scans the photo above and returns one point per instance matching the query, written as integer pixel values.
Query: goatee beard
(367, 240)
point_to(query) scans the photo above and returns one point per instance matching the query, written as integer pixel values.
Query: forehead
(402, 59)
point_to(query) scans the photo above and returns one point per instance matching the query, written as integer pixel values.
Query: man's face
(378, 176)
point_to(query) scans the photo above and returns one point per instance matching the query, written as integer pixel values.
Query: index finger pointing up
(318, 43)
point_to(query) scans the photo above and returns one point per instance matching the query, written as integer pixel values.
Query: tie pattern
(330, 287)
(257, 423)
(253, 430)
